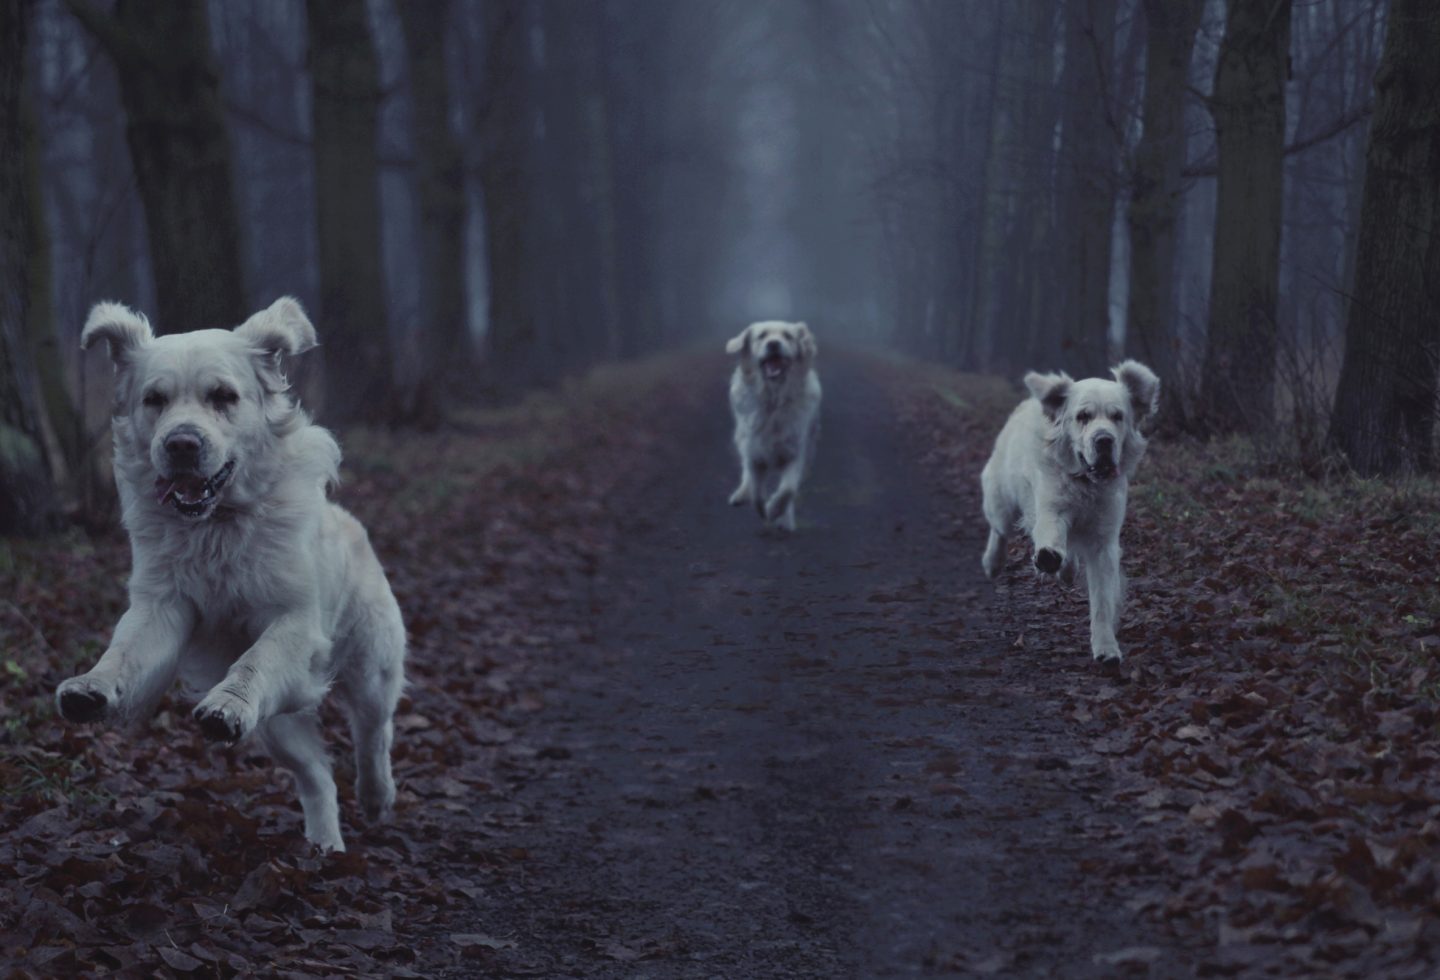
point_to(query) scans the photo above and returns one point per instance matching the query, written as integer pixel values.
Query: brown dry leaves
(1273, 732)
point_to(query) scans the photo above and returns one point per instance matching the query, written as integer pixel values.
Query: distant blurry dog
(775, 396)
(247, 583)
(1061, 469)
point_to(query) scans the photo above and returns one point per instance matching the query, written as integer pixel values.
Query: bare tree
(1386, 403)
(504, 122)
(180, 148)
(1087, 179)
(1156, 186)
(25, 490)
(1248, 103)
(440, 181)
(344, 71)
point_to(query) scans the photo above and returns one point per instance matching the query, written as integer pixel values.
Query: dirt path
(808, 755)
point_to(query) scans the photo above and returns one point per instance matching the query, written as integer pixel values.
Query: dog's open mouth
(1101, 469)
(191, 493)
(774, 366)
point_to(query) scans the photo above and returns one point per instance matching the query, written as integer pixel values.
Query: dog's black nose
(1105, 444)
(772, 346)
(183, 446)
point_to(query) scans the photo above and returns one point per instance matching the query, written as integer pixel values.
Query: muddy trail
(774, 755)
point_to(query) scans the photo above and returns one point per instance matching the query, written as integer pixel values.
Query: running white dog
(1061, 469)
(775, 396)
(247, 582)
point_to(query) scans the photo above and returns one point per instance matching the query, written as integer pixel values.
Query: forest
(524, 231)
(476, 199)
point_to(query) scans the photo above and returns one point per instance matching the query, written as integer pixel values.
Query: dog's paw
(1107, 653)
(1067, 572)
(377, 801)
(1048, 561)
(777, 507)
(225, 717)
(740, 497)
(81, 699)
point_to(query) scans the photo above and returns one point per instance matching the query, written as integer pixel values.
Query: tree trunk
(440, 180)
(180, 148)
(345, 73)
(513, 338)
(26, 497)
(1237, 387)
(1151, 335)
(1087, 185)
(1387, 400)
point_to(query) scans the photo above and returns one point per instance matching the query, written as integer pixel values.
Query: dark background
(474, 199)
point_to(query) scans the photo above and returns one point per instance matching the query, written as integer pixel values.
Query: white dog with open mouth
(775, 397)
(247, 582)
(1061, 469)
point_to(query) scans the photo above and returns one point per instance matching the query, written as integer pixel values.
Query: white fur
(777, 419)
(1047, 475)
(273, 595)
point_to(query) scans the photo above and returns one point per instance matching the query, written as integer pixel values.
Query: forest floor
(647, 738)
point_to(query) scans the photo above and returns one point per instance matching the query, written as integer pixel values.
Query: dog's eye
(1118, 416)
(224, 397)
(1083, 417)
(153, 399)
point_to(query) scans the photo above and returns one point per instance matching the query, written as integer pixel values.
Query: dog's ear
(1050, 390)
(125, 330)
(740, 342)
(1143, 385)
(280, 328)
(808, 350)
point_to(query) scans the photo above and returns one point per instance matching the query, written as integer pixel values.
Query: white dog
(247, 582)
(775, 396)
(1061, 469)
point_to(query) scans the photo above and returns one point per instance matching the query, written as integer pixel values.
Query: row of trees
(1179, 181)
(471, 198)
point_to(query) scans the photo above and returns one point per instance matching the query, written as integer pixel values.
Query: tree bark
(1237, 387)
(345, 73)
(1151, 337)
(440, 181)
(180, 147)
(1087, 184)
(1388, 395)
(513, 337)
(26, 497)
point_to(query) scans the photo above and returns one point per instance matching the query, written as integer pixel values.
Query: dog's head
(772, 347)
(192, 409)
(1095, 422)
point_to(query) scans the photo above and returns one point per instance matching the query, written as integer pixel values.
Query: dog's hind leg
(294, 742)
(369, 698)
(994, 559)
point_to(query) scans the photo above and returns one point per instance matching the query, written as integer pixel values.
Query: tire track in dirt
(812, 755)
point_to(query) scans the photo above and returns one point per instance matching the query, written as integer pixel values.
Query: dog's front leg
(135, 670)
(780, 508)
(281, 672)
(1051, 535)
(746, 491)
(1102, 572)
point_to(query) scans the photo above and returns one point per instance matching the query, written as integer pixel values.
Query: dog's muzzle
(1103, 466)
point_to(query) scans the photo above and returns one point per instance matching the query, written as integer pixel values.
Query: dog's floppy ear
(124, 329)
(739, 342)
(1050, 390)
(808, 350)
(1143, 385)
(280, 328)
